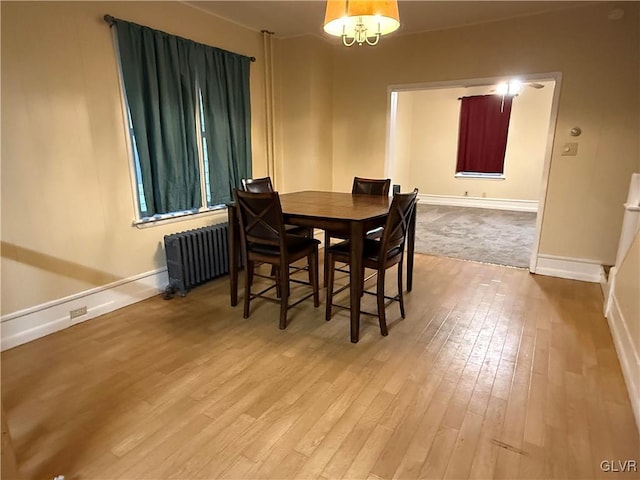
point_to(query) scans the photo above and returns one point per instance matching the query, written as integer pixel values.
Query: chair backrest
(395, 230)
(371, 186)
(261, 219)
(257, 185)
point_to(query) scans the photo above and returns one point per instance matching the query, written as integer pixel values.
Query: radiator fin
(196, 256)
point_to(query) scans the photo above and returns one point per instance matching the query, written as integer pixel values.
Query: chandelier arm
(376, 37)
(345, 42)
(373, 42)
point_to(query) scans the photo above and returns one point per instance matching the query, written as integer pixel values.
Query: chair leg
(362, 272)
(276, 275)
(284, 296)
(400, 296)
(248, 277)
(313, 276)
(327, 241)
(380, 297)
(250, 272)
(328, 260)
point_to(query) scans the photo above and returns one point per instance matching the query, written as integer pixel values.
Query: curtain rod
(460, 98)
(111, 20)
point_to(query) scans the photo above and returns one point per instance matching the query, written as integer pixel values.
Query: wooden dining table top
(335, 205)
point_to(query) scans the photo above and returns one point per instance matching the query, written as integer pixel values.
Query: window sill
(167, 218)
(479, 175)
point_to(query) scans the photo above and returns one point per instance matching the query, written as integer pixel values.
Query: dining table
(350, 214)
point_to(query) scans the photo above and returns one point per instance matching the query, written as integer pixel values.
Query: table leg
(411, 242)
(355, 280)
(233, 254)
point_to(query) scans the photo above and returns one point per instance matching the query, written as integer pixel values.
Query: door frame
(392, 105)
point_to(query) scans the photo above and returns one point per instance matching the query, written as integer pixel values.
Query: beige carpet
(499, 237)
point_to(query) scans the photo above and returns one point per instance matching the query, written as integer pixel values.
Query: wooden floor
(495, 373)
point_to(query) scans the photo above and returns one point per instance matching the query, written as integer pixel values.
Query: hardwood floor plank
(191, 457)
(239, 469)
(330, 443)
(369, 453)
(356, 439)
(418, 448)
(435, 465)
(580, 462)
(486, 453)
(464, 449)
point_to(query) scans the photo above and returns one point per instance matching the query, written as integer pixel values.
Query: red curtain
(482, 141)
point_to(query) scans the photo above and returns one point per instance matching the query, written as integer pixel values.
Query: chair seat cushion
(373, 234)
(370, 250)
(293, 243)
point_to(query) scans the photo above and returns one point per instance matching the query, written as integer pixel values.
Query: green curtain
(224, 81)
(159, 81)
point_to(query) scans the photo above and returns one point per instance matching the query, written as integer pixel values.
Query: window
(188, 109)
(482, 141)
(203, 167)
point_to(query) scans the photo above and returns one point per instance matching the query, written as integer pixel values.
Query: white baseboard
(35, 322)
(627, 354)
(478, 202)
(571, 268)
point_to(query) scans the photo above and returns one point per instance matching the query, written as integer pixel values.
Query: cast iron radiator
(196, 256)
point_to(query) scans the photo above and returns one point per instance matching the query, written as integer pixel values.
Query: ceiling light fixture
(512, 88)
(360, 21)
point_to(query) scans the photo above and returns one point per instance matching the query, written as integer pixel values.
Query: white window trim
(481, 175)
(174, 217)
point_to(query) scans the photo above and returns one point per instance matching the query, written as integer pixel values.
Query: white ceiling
(293, 18)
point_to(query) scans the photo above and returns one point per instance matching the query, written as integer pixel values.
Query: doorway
(422, 151)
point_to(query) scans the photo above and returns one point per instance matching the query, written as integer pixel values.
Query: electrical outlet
(78, 312)
(484, 194)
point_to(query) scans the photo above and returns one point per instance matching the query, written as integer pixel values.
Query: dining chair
(264, 239)
(363, 186)
(257, 185)
(378, 254)
(371, 186)
(264, 185)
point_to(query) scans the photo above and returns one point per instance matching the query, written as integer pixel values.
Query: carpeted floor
(490, 236)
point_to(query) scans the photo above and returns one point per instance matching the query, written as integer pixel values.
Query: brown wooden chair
(263, 239)
(378, 255)
(264, 185)
(361, 186)
(371, 186)
(257, 185)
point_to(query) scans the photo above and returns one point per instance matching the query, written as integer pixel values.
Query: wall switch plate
(570, 149)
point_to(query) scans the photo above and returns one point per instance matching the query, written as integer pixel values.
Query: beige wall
(67, 202)
(599, 61)
(433, 143)
(304, 110)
